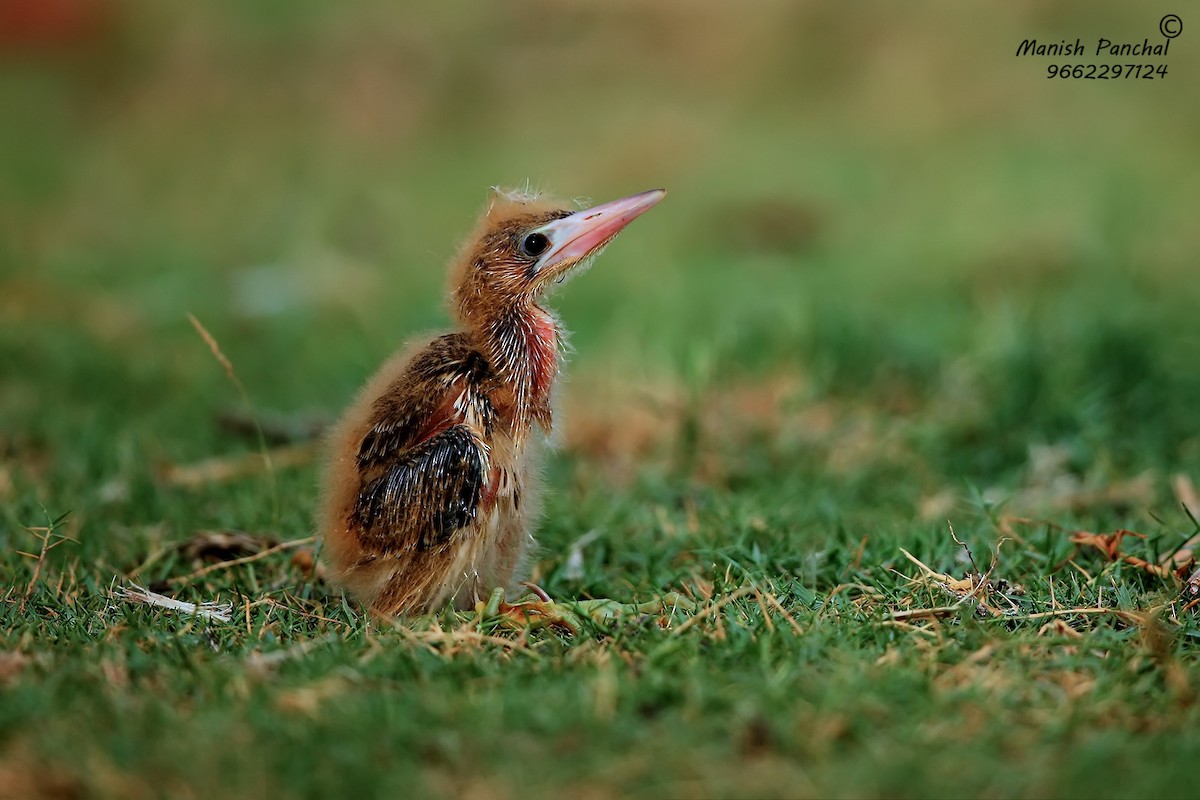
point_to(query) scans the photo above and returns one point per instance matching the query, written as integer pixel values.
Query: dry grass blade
(908, 627)
(1067, 612)
(211, 341)
(773, 601)
(45, 534)
(925, 613)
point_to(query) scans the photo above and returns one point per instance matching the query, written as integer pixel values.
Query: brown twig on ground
(234, 562)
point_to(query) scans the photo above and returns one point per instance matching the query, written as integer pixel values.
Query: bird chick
(430, 489)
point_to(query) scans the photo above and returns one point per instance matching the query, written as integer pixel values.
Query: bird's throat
(523, 345)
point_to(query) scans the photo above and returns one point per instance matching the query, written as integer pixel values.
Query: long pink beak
(578, 236)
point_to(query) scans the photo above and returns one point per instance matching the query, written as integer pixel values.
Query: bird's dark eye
(535, 244)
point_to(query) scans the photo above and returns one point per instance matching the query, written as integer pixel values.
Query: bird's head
(524, 243)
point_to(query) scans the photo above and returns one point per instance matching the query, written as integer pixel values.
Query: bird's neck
(522, 346)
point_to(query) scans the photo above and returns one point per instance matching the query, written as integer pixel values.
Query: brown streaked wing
(425, 495)
(423, 463)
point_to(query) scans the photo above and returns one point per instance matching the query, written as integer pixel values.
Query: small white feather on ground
(138, 594)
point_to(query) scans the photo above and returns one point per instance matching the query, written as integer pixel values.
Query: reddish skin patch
(543, 353)
(445, 417)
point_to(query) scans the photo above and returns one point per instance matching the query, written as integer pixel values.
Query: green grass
(900, 279)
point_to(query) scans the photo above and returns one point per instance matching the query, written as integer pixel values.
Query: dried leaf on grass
(1110, 545)
(1107, 543)
(1175, 563)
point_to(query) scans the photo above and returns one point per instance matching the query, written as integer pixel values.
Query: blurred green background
(861, 193)
(896, 265)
